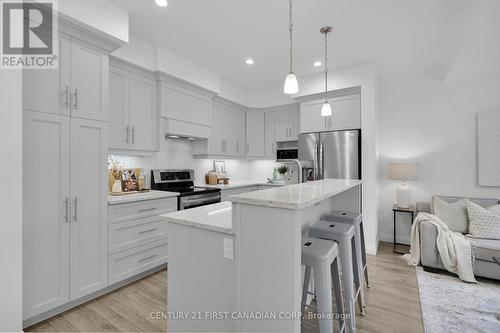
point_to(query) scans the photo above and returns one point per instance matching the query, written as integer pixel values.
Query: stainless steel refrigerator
(335, 154)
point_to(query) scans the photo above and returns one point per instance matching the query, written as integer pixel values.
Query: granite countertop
(151, 195)
(297, 196)
(216, 217)
(240, 184)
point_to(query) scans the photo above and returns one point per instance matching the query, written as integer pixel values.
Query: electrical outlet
(228, 245)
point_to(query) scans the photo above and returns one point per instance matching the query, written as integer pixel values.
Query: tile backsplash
(176, 154)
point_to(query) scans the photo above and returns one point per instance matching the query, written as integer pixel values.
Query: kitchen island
(236, 266)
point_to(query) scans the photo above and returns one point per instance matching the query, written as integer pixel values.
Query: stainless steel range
(182, 181)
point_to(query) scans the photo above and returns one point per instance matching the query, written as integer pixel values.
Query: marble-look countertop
(240, 184)
(216, 217)
(151, 195)
(297, 196)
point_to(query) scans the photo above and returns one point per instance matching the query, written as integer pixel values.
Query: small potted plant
(282, 171)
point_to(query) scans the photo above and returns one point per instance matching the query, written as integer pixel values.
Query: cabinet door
(294, 125)
(346, 112)
(89, 232)
(236, 140)
(282, 125)
(89, 81)
(270, 138)
(119, 108)
(143, 113)
(49, 90)
(184, 104)
(311, 119)
(46, 154)
(255, 133)
(219, 128)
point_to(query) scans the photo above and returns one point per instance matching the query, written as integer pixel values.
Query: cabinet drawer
(125, 264)
(128, 234)
(134, 210)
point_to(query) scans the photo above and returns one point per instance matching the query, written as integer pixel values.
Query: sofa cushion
(486, 249)
(484, 223)
(453, 214)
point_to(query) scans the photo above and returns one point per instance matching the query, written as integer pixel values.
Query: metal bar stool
(356, 220)
(322, 256)
(344, 235)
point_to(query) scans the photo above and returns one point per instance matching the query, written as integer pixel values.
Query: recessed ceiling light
(249, 61)
(162, 3)
(317, 63)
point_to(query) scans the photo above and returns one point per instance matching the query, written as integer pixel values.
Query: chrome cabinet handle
(272, 147)
(75, 216)
(147, 258)
(75, 105)
(147, 209)
(248, 147)
(66, 209)
(133, 134)
(237, 146)
(128, 136)
(66, 96)
(149, 230)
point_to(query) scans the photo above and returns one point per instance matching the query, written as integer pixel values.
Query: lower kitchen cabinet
(64, 210)
(137, 237)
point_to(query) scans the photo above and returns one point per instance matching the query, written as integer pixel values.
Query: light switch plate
(228, 245)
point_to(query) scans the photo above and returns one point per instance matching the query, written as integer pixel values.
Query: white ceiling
(400, 36)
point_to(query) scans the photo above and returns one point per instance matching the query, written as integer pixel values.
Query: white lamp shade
(326, 110)
(291, 84)
(403, 171)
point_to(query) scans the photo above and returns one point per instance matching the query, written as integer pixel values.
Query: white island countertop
(241, 184)
(297, 196)
(215, 217)
(151, 195)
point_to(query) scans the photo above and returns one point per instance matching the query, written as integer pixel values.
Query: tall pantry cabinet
(65, 148)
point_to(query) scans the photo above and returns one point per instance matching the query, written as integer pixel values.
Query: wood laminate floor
(392, 304)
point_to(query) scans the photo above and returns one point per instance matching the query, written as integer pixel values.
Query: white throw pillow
(495, 209)
(454, 214)
(484, 223)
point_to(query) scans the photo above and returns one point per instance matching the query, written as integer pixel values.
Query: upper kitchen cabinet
(346, 114)
(186, 108)
(270, 134)
(287, 123)
(78, 88)
(133, 112)
(255, 133)
(228, 131)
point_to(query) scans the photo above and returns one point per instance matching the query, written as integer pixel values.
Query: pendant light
(326, 110)
(291, 84)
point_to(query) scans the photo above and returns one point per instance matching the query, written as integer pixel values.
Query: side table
(395, 209)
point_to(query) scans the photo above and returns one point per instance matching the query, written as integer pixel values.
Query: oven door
(199, 200)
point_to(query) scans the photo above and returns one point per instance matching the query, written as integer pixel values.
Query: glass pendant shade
(326, 110)
(291, 84)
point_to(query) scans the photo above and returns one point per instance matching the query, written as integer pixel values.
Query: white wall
(11, 201)
(428, 121)
(176, 154)
(99, 14)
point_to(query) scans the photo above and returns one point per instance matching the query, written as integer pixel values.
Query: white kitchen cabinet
(186, 108)
(228, 132)
(49, 90)
(346, 114)
(65, 209)
(270, 134)
(89, 187)
(78, 88)
(89, 81)
(133, 117)
(287, 124)
(138, 237)
(255, 125)
(46, 175)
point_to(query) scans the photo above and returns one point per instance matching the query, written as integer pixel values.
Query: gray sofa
(484, 265)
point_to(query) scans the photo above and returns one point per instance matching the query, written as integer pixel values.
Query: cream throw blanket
(454, 248)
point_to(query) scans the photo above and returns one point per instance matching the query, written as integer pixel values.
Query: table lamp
(403, 171)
